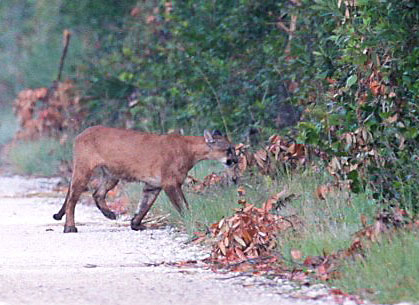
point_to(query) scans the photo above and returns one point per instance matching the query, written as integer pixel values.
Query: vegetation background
(339, 76)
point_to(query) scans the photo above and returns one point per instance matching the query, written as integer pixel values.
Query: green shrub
(365, 60)
(8, 125)
(41, 157)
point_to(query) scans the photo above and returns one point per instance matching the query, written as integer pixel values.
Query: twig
(66, 36)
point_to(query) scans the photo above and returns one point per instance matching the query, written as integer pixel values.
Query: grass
(42, 157)
(8, 125)
(389, 273)
(328, 224)
(391, 268)
(205, 209)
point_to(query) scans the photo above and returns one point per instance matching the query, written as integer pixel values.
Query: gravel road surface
(108, 263)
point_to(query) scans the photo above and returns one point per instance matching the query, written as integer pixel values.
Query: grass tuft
(8, 125)
(42, 157)
(389, 273)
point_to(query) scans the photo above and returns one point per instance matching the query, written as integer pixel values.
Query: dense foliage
(31, 38)
(347, 69)
(232, 65)
(194, 65)
(369, 59)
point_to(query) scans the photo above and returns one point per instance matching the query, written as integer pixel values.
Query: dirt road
(107, 262)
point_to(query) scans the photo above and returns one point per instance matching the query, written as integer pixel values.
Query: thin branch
(66, 36)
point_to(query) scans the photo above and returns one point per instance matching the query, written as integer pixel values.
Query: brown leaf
(221, 223)
(364, 220)
(246, 236)
(222, 247)
(242, 163)
(199, 240)
(392, 119)
(375, 87)
(244, 267)
(239, 240)
(274, 139)
(241, 202)
(322, 191)
(226, 241)
(296, 254)
(261, 157)
(248, 207)
(268, 205)
(240, 253)
(313, 261)
(241, 191)
(331, 80)
(322, 272)
(300, 151)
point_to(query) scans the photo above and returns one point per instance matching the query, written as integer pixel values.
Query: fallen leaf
(240, 253)
(322, 191)
(239, 240)
(268, 205)
(222, 247)
(363, 220)
(296, 254)
(241, 191)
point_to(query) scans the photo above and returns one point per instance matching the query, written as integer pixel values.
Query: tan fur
(160, 161)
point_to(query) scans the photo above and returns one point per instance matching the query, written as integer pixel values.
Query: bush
(8, 125)
(42, 157)
(365, 116)
(194, 66)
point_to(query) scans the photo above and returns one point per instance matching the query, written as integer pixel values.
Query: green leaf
(351, 80)
(356, 184)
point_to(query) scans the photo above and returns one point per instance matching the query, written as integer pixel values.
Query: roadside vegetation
(323, 95)
(8, 125)
(384, 270)
(43, 157)
(389, 272)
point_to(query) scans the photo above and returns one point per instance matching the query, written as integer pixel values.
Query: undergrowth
(8, 125)
(42, 157)
(205, 209)
(389, 272)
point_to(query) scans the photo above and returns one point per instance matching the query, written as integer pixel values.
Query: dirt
(108, 263)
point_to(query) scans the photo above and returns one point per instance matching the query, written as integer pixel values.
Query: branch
(66, 36)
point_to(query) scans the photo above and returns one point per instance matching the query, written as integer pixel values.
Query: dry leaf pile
(48, 112)
(250, 235)
(277, 152)
(247, 241)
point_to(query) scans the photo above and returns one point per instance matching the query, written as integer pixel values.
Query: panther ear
(216, 133)
(208, 137)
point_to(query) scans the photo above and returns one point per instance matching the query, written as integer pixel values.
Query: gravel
(108, 263)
